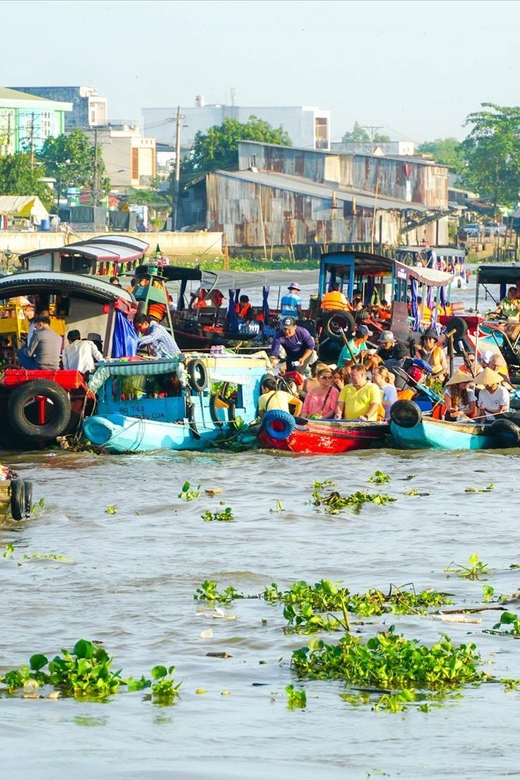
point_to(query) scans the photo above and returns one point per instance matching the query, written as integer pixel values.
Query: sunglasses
(325, 376)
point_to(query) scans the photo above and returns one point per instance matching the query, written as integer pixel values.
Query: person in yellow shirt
(272, 398)
(360, 400)
(335, 300)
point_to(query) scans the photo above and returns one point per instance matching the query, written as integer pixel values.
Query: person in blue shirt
(291, 304)
(154, 337)
(297, 343)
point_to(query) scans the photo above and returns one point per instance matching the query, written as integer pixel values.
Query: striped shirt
(160, 343)
(290, 305)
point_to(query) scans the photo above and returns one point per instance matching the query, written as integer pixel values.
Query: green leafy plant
(111, 510)
(379, 478)
(474, 571)
(189, 494)
(208, 591)
(279, 507)
(226, 516)
(488, 592)
(295, 699)
(487, 489)
(335, 502)
(508, 619)
(8, 551)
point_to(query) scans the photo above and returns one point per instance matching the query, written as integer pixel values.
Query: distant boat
(280, 430)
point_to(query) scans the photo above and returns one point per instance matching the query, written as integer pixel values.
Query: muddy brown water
(131, 583)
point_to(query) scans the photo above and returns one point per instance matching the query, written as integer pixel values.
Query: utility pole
(95, 184)
(372, 129)
(31, 140)
(177, 186)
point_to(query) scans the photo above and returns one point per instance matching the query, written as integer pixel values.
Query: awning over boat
(499, 274)
(131, 368)
(113, 249)
(93, 288)
(428, 276)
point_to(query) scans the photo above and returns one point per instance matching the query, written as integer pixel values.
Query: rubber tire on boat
(338, 322)
(18, 499)
(23, 393)
(405, 414)
(28, 497)
(197, 375)
(507, 433)
(213, 410)
(458, 325)
(278, 424)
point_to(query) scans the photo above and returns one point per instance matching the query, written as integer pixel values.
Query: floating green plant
(208, 591)
(487, 489)
(474, 571)
(379, 478)
(188, 493)
(226, 516)
(295, 699)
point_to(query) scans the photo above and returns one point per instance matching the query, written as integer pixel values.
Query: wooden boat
(15, 495)
(412, 431)
(282, 431)
(164, 404)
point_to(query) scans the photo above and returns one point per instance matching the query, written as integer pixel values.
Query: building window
(46, 124)
(321, 134)
(135, 163)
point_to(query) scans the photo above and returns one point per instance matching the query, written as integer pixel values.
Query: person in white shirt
(493, 398)
(81, 354)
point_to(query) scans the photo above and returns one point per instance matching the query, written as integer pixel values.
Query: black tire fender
(458, 326)
(20, 398)
(197, 375)
(506, 431)
(18, 499)
(213, 410)
(405, 414)
(339, 322)
(28, 497)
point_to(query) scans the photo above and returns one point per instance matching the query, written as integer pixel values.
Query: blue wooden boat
(154, 404)
(411, 430)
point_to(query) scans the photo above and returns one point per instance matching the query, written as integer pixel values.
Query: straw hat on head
(488, 377)
(459, 377)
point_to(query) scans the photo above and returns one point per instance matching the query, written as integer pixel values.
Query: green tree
(19, 177)
(491, 153)
(359, 135)
(445, 151)
(71, 160)
(218, 147)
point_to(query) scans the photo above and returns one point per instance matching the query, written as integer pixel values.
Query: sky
(415, 67)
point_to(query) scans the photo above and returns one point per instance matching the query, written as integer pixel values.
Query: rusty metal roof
(305, 187)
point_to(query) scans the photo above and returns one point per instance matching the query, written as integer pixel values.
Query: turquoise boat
(176, 404)
(411, 430)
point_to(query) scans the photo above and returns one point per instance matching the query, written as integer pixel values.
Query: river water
(131, 583)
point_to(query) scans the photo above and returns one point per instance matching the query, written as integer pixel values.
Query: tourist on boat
(359, 400)
(297, 343)
(438, 375)
(430, 351)
(154, 338)
(341, 377)
(387, 346)
(383, 311)
(470, 365)
(114, 280)
(81, 354)
(497, 363)
(273, 398)
(460, 400)
(356, 347)
(510, 305)
(133, 284)
(244, 310)
(381, 377)
(198, 299)
(320, 402)
(334, 300)
(493, 398)
(291, 305)
(44, 350)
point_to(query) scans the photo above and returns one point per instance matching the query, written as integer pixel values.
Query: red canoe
(318, 437)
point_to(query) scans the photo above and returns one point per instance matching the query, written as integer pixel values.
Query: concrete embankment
(171, 244)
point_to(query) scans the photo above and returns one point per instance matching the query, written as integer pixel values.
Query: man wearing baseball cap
(387, 346)
(291, 304)
(297, 343)
(357, 346)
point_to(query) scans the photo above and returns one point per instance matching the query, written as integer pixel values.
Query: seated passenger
(320, 402)
(493, 398)
(356, 346)
(430, 349)
(44, 349)
(335, 300)
(272, 398)
(80, 355)
(244, 310)
(360, 400)
(381, 377)
(459, 398)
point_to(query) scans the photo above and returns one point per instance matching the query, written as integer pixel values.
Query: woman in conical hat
(459, 398)
(494, 397)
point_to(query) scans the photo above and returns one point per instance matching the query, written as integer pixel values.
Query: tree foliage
(445, 151)
(359, 135)
(491, 153)
(71, 160)
(218, 147)
(19, 177)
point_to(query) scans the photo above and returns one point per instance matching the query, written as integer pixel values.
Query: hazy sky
(417, 68)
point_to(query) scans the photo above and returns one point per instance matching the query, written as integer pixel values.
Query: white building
(379, 148)
(129, 157)
(307, 126)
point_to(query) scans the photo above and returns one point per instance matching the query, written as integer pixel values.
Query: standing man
(154, 337)
(45, 348)
(297, 343)
(291, 304)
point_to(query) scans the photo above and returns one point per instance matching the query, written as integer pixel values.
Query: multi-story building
(88, 109)
(27, 120)
(307, 126)
(130, 158)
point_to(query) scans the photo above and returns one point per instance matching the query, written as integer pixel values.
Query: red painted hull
(328, 437)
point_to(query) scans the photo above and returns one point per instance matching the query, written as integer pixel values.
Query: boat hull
(328, 437)
(431, 434)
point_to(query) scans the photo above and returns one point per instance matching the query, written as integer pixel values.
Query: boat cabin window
(76, 264)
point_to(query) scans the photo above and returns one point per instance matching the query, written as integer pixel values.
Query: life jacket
(242, 312)
(406, 395)
(438, 411)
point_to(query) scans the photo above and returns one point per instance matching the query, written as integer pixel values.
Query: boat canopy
(499, 274)
(352, 268)
(131, 368)
(428, 276)
(100, 255)
(88, 287)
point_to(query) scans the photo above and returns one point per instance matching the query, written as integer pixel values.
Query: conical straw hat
(488, 377)
(458, 377)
